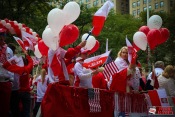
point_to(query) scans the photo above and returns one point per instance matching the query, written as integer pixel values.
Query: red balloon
(164, 35)
(68, 34)
(95, 48)
(43, 48)
(153, 37)
(144, 29)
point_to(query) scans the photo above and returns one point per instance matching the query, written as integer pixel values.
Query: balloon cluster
(60, 31)
(14, 27)
(152, 34)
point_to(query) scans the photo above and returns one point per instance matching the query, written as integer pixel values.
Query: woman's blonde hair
(120, 51)
(168, 71)
(43, 74)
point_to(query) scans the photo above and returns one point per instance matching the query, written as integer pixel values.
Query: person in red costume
(24, 89)
(98, 81)
(57, 62)
(5, 84)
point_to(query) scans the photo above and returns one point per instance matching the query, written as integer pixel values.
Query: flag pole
(90, 32)
(149, 53)
(106, 44)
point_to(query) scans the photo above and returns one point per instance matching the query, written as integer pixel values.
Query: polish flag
(158, 97)
(20, 42)
(29, 36)
(28, 43)
(130, 50)
(96, 61)
(100, 17)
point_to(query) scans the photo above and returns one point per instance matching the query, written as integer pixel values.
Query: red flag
(28, 43)
(100, 17)
(96, 61)
(29, 36)
(110, 69)
(20, 42)
(158, 97)
(154, 78)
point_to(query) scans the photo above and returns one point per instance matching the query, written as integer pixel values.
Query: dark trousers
(36, 108)
(25, 99)
(5, 91)
(14, 103)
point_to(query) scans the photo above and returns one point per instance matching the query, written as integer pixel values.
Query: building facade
(120, 6)
(137, 6)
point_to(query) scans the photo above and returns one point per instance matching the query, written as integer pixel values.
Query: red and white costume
(122, 79)
(5, 85)
(23, 72)
(99, 81)
(83, 76)
(57, 62)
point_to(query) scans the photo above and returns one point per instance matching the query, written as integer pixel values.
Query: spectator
(41, 81)
(159, 67)
(166, 80)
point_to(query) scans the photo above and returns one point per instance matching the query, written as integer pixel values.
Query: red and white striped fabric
(110, 69)
(94, 100)
(29, 36)
(20, 42)
(36, 61)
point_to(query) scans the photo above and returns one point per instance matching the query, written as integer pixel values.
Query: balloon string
(90, 32)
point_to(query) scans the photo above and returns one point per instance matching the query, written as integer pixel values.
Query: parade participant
(83, 76)
(5, 84)
(57, 62)
(159, 67)
(166, 80)
(98, 81)
(14, 100)
(24, 91)
(121, 81)
(41, 82)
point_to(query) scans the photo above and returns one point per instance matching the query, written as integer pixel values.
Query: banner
(96, 61)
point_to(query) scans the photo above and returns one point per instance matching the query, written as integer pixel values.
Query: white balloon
(91, 41)
(56, 20)
(20, 25)
(12, 31)
(140, 40)
(8, 25)
(84, 36)
(23, 29)
(72, 11)
(50, 39)
(34, 33)
(155, 21)
(15, 22)
(37, 52)
(3, 22)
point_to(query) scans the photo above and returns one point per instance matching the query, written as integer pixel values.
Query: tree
(33, 13)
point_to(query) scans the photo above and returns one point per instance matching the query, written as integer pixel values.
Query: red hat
(84, 51)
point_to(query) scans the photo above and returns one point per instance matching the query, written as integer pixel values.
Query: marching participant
(83, 76)
(5, 84)
(57, 62)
